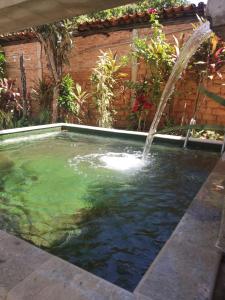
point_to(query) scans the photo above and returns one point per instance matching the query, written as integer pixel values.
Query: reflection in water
(60, 196)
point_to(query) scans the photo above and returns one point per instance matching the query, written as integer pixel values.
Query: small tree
(158, 56)
(104, 80)
(11, 109)
(56, 39)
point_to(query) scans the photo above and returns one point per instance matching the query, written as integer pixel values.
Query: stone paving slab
(27, 272)
(57, 279)
(219, 292)
(18, 259)
(186, 268)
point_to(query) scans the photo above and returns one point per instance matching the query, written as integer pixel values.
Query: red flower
(135, 106)
(152, 11)
(218, 52)
(141, 103)
(147, 105)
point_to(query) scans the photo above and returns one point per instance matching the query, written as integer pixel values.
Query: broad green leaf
(212, 95)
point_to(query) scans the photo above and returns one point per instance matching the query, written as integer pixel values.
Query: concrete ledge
(141, 136)
(187, 266)
(30, 128)
(117, 133)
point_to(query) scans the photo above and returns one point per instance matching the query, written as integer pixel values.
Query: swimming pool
(62, 192)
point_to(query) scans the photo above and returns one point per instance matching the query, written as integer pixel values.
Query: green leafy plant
(105, 77)
(81, 97)
(71, 98)
(158, 55)
(141, 104)
(10, 104)
(220, 100)
(66, 98)
(42, 93)
(5, 120)
(56, 39)
(2, 65)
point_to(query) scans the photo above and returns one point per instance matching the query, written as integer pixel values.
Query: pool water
(92, 201)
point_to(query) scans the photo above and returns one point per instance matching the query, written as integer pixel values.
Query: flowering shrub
(152, 11)
(10, 103)
(141, 103)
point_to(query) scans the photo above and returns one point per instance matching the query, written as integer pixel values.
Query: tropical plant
(141, 104)
(42, 93)
(71, 98)
(204, 66)
(5, 120)
(2, 65)
(11, 109)
(105, 77)
(158, 55)
(81, 97)
(66, 98)
(56, 39)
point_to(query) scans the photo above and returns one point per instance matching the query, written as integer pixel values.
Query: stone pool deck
(185, 269)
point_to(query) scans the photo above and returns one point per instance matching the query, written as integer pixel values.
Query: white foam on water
(122, 161)
(110, 160)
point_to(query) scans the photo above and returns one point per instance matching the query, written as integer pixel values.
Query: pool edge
(170, 280)
(211, 145)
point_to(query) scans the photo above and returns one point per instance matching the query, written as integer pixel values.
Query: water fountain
(191, 46)
(215, 14)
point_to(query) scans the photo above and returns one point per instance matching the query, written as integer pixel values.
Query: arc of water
(197, 38)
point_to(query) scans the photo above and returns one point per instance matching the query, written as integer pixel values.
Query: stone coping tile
(112, 132)
(18, 259)
(187, 265)
(57, 279)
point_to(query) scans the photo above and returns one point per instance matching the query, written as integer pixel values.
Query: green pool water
(73, 196)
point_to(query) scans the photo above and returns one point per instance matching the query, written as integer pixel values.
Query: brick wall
(83, 58)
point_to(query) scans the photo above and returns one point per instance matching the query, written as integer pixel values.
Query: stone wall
(83, 58)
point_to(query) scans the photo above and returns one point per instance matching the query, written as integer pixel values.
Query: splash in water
(191, 46)
(122, 161)
(110, 160)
